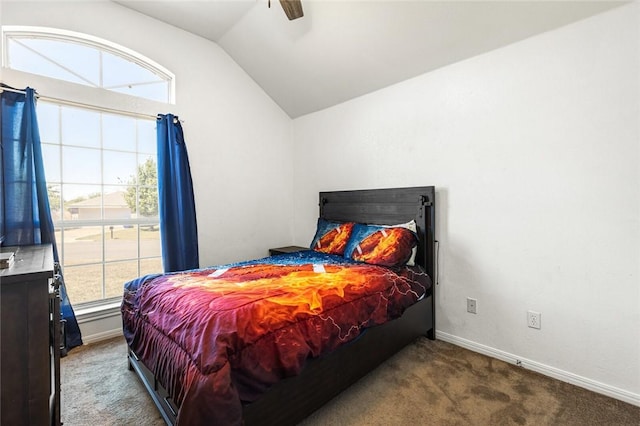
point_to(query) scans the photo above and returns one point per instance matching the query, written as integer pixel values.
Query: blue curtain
(178, 228)
(27, 216)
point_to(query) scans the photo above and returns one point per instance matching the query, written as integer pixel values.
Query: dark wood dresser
(30, 339)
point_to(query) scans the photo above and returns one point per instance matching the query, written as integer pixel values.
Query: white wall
(239, 140)
(534, 151)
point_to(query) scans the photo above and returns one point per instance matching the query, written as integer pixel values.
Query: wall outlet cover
(472, 305)
(533, 319)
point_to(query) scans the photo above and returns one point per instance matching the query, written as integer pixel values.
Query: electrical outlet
(472, 305)
(533, 319)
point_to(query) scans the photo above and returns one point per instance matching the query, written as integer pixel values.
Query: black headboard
(388, 207)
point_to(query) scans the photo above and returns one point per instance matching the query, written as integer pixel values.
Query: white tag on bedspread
(318, 268)
(218, 272)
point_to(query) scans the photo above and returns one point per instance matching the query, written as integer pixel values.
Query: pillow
(331, 237)
(381, 245)
(412, 226)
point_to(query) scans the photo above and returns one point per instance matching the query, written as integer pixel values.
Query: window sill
(95, 312)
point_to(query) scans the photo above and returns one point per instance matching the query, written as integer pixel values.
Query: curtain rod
(83, 105)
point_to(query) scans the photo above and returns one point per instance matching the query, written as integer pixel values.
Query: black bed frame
(295, 398)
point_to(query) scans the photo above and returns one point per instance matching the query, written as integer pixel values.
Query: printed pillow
(412, 226)
(381, 245)
(331, 237)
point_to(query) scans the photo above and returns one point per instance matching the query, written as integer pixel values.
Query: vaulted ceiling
(343, 49)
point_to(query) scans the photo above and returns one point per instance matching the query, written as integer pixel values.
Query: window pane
(51, 160)
(148, 163)
(23, 59)
(150, 240)
(49, 122)
(82, 245)
(82, 202)
(155, 91)
(55, 202)
(148, 189)
(118, 132)
(116, 274)
(121, 242)
(84, 283)
(81, 165)
(148, 202)
(118, 201)
(147, 137)
(80, 127)
(82, 61)
(150, 266)
(58, 236)
(119, 167)
(118, 71)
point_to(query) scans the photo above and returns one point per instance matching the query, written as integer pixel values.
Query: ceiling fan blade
(293, 9)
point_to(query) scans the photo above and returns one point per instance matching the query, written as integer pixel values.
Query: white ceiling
(343, 49)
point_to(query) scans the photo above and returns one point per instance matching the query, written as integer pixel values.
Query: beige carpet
(428, 383)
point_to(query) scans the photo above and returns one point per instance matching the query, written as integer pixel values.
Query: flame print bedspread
(215, 337)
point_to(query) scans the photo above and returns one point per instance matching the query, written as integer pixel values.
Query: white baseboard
(97, 337)
(565, 376)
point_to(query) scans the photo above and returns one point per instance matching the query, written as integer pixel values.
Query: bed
(193, 381)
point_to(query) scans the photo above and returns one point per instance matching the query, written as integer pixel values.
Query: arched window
(86, 60)
(100, 156)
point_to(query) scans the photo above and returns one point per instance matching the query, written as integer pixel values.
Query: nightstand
(287, 249)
